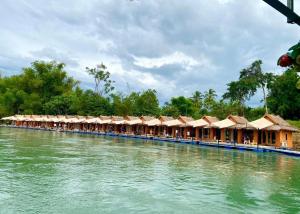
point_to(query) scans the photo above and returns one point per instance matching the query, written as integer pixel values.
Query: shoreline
(174, 140)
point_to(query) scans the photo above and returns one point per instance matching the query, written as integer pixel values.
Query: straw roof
(104, 117)
(20, 117)
(238, 119)
(241, 122)
(268, 122)
(9, 118)
(210, 119)
(153, 122)
(107, 121)
(165, 118)
(198, 123)
(278, 123)
(261, 123)
(147, 118)
(131, 120)
(174, 122)
(95, 120)
(70, 120)
(80, 119)
(226, 123)
(117, 120)
(272, 123)
(186, 119)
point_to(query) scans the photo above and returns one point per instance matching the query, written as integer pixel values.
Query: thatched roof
(261, 123)
(238, 119)
(117, 120)
(153, 122)
(233, 122)
(147, 118)
(226, 123)
(174, 122)
(210, 119)
(105, 117)
(198, 123)
(278, 123)
(165, 118)
(185, 119)
(132, 120)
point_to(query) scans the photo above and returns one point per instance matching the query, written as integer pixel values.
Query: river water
(51, 172)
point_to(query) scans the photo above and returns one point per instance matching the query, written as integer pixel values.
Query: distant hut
(203, 128)
(165, 127)
(94, 123)
(150, 125)
(184, 130)
(133, 125)
(105, 124)
(234, 129)
(118, 124)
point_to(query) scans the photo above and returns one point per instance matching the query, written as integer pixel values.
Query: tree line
(46, 88)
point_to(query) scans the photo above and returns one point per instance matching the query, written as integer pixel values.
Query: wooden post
(197, 133)
(255, 136)
(184, 133)
(240, 136)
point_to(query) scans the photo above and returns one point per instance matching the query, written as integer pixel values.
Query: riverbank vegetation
(46, 88)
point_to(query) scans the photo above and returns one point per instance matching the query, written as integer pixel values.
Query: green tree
(91, 103)
(147, 103)
(183, 105)
(197, 99)
(47, 79)
(254, 77)
(209, 101)
(103, 83)
(170, 110)
(59, 105)
(284, 97)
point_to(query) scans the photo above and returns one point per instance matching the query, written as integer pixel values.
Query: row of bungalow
(270, 130)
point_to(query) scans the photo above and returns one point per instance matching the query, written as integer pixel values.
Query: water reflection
(51, 172)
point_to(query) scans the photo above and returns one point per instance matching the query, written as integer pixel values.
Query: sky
(172, 46)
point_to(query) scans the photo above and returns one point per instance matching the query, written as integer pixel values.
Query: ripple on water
(48, 172)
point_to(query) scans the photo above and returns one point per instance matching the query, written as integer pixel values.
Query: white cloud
(173, 46)
(174, 58)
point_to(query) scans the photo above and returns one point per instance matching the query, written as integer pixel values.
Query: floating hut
(133, 125)
(234, 129)
(272, 130)
(150, 125)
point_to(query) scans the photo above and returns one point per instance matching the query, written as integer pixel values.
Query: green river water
(51, 172)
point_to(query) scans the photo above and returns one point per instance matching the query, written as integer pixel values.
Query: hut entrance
(218, 134)
(235, 135)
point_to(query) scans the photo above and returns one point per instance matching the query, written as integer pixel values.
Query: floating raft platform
(174, 140)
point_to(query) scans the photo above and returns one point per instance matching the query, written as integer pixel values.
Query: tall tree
(197, 99)
(284, 97)
(103, 83)
(147, 103)
(254, 76)
(36, 85)
(209, 100)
